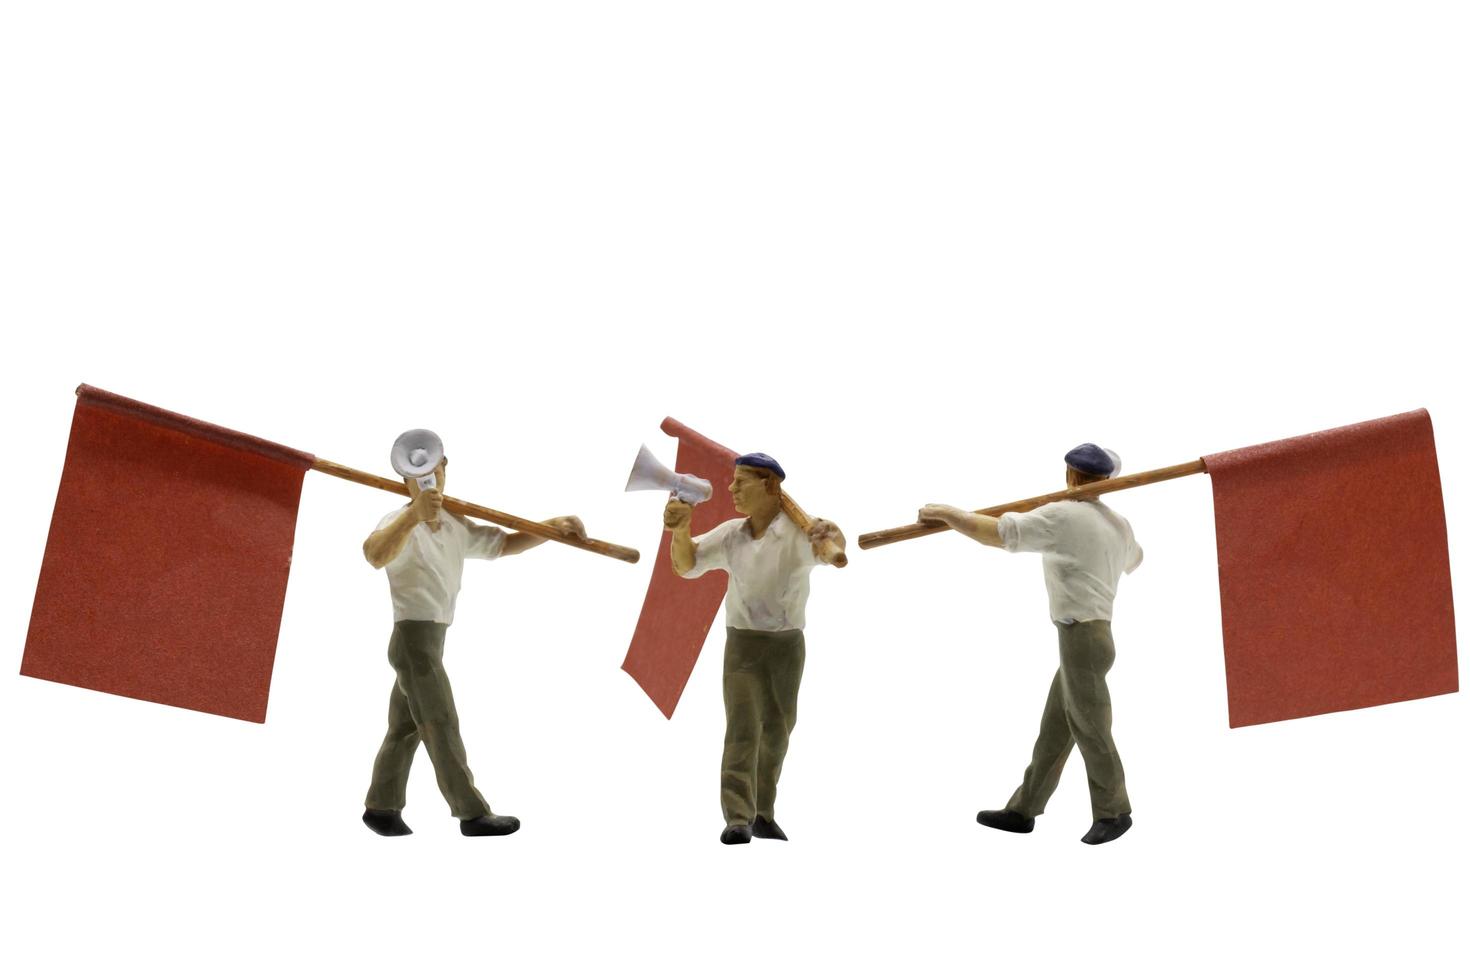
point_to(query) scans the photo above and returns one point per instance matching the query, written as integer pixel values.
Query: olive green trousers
(762, 676)
(1078, 711)
(421, 709)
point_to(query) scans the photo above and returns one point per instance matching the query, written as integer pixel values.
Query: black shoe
(389, 823)
(1007, 820)
(1103, 831)
(736, 833)
(767, 829)
(490, 825)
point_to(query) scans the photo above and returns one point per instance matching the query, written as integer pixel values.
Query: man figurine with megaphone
(769, 560)
(422, 547)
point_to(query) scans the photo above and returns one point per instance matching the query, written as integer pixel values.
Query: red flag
(165, 570)
(1334, 571)
(677, 613)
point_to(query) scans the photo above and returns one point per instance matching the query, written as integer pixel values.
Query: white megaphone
(649, 474)
(417, 454)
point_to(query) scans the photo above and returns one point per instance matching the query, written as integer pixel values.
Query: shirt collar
(776, 530)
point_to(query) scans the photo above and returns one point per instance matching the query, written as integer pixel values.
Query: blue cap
(1094, 460)
(763, 461)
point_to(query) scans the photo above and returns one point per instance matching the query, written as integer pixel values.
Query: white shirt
(768, 576)
(424, 577)
(1086, 548)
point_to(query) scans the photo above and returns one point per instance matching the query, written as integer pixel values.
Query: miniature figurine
(1086, 548)
(769, 560)
(422, 546)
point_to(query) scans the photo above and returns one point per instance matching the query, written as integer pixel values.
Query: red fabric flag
(1334, 571)
(165, 570)
(677, 613)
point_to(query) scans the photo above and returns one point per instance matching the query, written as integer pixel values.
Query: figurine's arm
(384, 544)
(984, 529)
(822, 531)
(677, 516)
(519, 541)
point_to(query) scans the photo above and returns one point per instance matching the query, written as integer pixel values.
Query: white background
(915, 251)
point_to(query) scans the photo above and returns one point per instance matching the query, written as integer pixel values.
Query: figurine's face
(753, 489)
(413, 484)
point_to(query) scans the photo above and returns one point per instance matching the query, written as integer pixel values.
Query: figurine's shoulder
(1102, 521)
(1055, 513)
(1081, 510)
(391, 516)
(1104, 511)
(723, 529)
(1064, 519)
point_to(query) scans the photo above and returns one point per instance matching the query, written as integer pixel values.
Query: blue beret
(1093, 460)
(763, 461)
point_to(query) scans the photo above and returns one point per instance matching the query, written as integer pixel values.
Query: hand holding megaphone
(677, 514)
(427, 505)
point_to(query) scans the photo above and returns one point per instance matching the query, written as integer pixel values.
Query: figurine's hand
(427, 504)
(931, 513)
(821, 530)
(570, 525)
(677, 514)
(828, 545)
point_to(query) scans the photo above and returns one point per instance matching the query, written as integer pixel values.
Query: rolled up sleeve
(1135, 558)
(486, 541)
(1027, 532)
(709, 552)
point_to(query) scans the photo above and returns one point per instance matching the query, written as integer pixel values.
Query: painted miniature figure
(1086, 548)
(769, 560)
(422, 547)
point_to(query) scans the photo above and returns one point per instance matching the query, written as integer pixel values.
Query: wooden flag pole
(831, 554)
(874, 539)
(467, 509)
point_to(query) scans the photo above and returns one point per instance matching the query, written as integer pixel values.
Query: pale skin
(981, 527)
(383, 545)
(757, 495)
